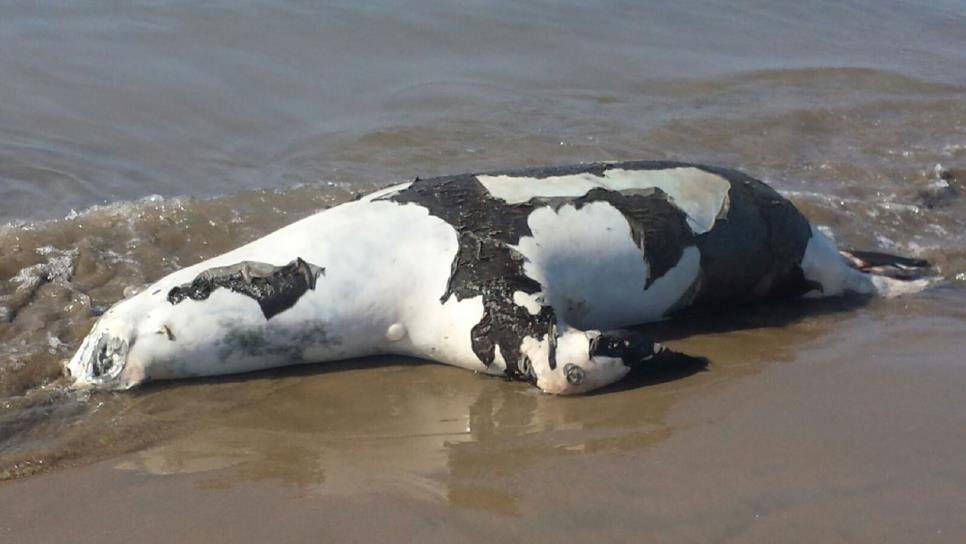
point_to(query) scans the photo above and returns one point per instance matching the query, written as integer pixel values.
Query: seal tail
(886, 275)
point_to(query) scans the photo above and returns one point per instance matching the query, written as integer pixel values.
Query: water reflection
(417, 434)
(444, 434)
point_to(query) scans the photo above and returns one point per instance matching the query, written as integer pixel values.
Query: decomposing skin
(275, 288)
(757, 225)
(756, 247)
(531, 274)
(487, 266)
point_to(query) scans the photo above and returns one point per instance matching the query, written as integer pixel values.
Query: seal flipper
(884, 264)
(640, 352)
(882, 274)
(632, 348)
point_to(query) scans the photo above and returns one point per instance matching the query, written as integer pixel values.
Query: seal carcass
(531, 274)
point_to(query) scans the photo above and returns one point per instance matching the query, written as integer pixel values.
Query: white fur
(370, 283)
(572, 350)
(700, 194)
(532, 302)
(386, 191)
(592, 272)
(824, 264)
(396, 332)
(379, 294)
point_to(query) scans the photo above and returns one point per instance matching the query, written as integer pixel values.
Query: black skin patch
(632, 348)
(872, 259)
(658, 227)
(638, 352)
(754, 249)
(275, 288)
(486, 266)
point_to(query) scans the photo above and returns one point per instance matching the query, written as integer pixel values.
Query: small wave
(57, 275)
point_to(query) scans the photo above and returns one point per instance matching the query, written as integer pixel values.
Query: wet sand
(845, 425)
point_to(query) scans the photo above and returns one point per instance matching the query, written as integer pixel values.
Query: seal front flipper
(640, 352)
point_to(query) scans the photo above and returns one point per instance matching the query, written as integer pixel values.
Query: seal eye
(575, 374)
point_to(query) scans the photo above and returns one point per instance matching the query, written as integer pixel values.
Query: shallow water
(138, 138)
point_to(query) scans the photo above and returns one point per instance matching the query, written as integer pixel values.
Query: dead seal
(530, 274)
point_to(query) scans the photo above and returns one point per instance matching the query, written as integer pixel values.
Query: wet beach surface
(135, 140)
(844, 426)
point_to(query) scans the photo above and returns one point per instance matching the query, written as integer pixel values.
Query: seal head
(588, 360)
(103, 356)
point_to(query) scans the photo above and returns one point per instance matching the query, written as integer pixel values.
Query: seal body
(529, 274)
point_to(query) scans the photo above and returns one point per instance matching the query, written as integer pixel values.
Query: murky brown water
(826, 421)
